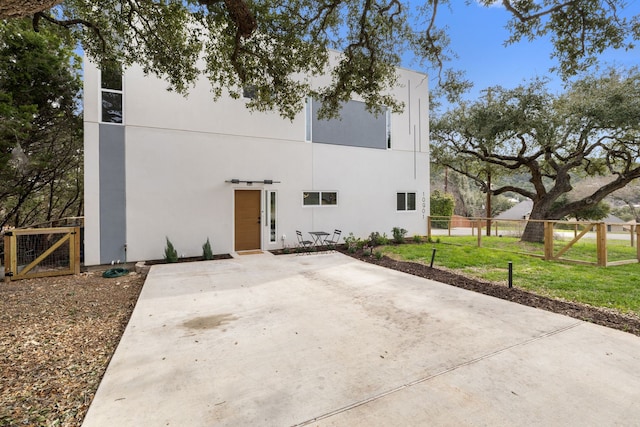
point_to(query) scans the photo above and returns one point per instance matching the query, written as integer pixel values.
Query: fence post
(449, 226)
(75, 243)
(601, 243)
(10, 256)
(548, 240)
(632, 230)
(479, 233)
(429, 227)
(638, 242)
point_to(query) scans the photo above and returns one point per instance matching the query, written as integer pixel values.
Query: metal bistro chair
(335, 239)
(305, 245)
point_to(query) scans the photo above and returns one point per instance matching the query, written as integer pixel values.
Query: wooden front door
(247, 219)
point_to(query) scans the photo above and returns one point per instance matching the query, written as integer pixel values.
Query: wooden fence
(41, 252)
(554, 247)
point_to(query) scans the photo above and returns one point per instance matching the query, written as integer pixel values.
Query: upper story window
(249, 92)
(406, 201)
(111, 93)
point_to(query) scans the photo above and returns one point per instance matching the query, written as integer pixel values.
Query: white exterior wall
(180, 151)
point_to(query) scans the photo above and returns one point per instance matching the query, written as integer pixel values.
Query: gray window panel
(356, 127)
(113, 222)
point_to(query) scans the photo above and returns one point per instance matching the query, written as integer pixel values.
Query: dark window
(406, 201)
(111, 93)
(112, 107)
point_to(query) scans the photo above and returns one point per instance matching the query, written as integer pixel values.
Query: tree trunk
(540, 211)
(533, 232)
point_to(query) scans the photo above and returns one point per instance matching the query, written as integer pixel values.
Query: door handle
(259, 222)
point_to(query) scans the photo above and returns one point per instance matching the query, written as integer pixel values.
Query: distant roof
(519, 211)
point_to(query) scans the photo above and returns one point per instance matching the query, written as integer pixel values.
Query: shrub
(353, 242)
(376, 239)
(378, 255)
(207, 253)
(398, 234)
(442, 204)
(170, 253)
(417, 239)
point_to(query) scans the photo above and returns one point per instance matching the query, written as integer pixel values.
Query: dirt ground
(57, 335)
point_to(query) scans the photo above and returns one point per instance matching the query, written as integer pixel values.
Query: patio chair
(334, 240)
(304, 245)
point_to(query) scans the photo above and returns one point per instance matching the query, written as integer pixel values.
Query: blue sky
(477, 35)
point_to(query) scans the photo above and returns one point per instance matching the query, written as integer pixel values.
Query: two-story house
(159, 165)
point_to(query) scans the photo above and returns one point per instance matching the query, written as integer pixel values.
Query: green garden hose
(115, 272)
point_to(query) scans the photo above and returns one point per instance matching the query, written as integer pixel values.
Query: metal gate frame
(71, 235)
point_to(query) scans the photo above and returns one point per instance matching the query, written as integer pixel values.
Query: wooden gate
(41, 252)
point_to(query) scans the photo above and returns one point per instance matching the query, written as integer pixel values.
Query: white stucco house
(160, 165)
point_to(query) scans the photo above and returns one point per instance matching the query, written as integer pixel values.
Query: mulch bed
(600, 316)
(57, 336)
(187, 259)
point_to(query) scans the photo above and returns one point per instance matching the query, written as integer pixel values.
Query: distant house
(160, 165)
(523, 209)
(520, 211)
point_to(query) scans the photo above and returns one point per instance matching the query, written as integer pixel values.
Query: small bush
(417, 239)
(170, 253)
(378, 255)
(207, 253)
(353, 242)
(366, 251)
(398, 234)
(376, 239)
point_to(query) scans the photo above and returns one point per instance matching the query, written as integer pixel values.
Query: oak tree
(591, 130)
(269, 45)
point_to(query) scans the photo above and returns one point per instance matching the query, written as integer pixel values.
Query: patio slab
(329, 340)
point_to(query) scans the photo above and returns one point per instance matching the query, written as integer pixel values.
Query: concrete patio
(263, 340)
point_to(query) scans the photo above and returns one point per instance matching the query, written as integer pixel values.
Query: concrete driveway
(326, 340)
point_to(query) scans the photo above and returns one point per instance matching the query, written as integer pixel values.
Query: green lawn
(616, 287)
(583, 250)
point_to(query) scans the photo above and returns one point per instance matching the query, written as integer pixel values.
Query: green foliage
(353, 243)
(612, 287)
(378, 255)
(398, 234)
(41, 176)
(170, 253)
(267, 44)
(417, 238)
(442, 204)
(207, 253)
(587, 131)
(377, 239)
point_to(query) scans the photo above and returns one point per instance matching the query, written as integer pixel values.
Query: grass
(615, 287)
(583, 250)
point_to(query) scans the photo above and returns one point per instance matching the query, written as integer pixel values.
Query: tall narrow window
(111, 93)
(272, 217)
(388, 118)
